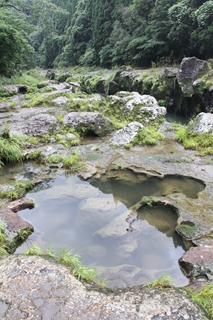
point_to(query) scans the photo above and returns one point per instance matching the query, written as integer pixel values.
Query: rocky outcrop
(41, 124)
(190, 70)
(202, 124)
(89, 121)
(143, 108)
(125, 135)
(35, 288)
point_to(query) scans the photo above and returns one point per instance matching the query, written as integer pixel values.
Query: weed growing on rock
(34, 155)
(204, 298)
(163, 281)
(33, 251)
(18, 189)
(10, 151)
(203, 143)
(33, 140)
(66, 257)
(147, 136)
(3, 239)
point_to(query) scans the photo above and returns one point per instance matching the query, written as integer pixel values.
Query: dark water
(170, 117)
(91, 220)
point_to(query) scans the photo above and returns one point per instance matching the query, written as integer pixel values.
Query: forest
(106, 33)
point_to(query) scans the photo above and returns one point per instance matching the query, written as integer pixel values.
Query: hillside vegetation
(60, 33)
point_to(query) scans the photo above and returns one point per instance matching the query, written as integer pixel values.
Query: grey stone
(197, 261)
(92, 121)
(41, 124)
(126, 134)
(60, 101)
(190, 70)
(203, 123)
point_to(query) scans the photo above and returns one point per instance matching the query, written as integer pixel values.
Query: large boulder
(91, 121)
(191, 69)
(41, 124)
(125, 135)
(203, 123)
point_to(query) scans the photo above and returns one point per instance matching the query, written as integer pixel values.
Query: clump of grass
(72, 161)
(33, 140)
(10, 150)
(204, 297)
(163, 281)
(66, 257)
(19, 189)
(34, 155)
(203, 143)
(54, 158)
(33, 250)
(147, 136)
(3, 239)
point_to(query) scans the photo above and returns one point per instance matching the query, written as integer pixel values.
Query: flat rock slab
(35, 288)
(14, 223)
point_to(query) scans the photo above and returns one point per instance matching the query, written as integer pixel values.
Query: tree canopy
(61, 33)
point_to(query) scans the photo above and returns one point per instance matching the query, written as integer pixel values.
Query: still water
(90, 219)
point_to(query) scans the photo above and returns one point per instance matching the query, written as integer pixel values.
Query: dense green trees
(103, 32)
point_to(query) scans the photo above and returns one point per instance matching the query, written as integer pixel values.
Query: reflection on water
(129, 187)
(74, 214)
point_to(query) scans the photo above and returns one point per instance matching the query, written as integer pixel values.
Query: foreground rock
(34, 288)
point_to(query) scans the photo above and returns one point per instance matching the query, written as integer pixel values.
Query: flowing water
(90, 218)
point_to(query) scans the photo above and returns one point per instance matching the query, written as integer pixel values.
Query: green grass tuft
(204, 298)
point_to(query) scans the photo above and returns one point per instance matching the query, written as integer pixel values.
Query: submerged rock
(92, 121)
(115, 229)
(124, 275)
(126, 134)
(203, 123)
(96, 212)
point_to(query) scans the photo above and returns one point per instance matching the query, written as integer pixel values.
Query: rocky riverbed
(35, 288)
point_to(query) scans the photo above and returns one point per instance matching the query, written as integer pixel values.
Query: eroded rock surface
(92, 121)
(41, 124)
(34, 288)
